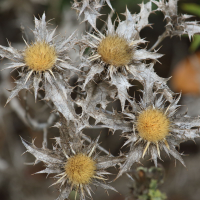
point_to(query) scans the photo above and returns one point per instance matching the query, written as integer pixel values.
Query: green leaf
(195, 43)
(153, 185)
(156, 195)
(143, 197)
(191, 8)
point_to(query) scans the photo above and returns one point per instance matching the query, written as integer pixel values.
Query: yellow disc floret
(153, 125)
(115, 50)
(40, 56)
(80, 169)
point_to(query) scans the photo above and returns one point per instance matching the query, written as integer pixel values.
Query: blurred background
(181, 61)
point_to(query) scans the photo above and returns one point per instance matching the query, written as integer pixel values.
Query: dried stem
(33, 123)
(98, 146)
(23, 113)
(159, 40)
(16, 107)
(95, 127)
(44, 143)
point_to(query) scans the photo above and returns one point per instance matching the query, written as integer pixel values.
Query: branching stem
(159, 40)
(98, 146)
(20, 111)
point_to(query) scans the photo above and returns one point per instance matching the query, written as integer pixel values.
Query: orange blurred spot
(186, 75)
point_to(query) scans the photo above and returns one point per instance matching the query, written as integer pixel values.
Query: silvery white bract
(97, 95)
(176, 24)
(90, 9)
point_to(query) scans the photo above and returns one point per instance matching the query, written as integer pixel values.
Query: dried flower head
(77, 166)
(39, 60)
(115, 55)
(156, 126)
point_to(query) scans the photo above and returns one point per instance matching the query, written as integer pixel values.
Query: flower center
(80, 169)
(40, 56)
(115, 50)
(153, 125)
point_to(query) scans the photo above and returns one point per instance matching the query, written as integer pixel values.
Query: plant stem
(98, 146)
(159, 40)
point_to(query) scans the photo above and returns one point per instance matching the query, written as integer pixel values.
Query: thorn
(94, 57)
(52, 74)
(75, 194)
(138, 141)
(166, 143)
(28, 76)
(58, 180)
(25, 41)
(144, 152)
(158, 149)
(167, 109)
(94, 37)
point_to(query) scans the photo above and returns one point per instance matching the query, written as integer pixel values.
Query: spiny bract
(177, 24)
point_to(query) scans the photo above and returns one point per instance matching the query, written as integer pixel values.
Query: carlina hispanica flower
(118, 47)
(156, 127)
(115, 55)
(77, 166)
(40, 60)
(153, 126)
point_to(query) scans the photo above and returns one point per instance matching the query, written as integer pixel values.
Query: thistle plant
(76, 165)
(108, 62)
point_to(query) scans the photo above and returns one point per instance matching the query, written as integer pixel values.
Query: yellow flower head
(153, 125)
(40, 56)
(80, 169)
(115, 50)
